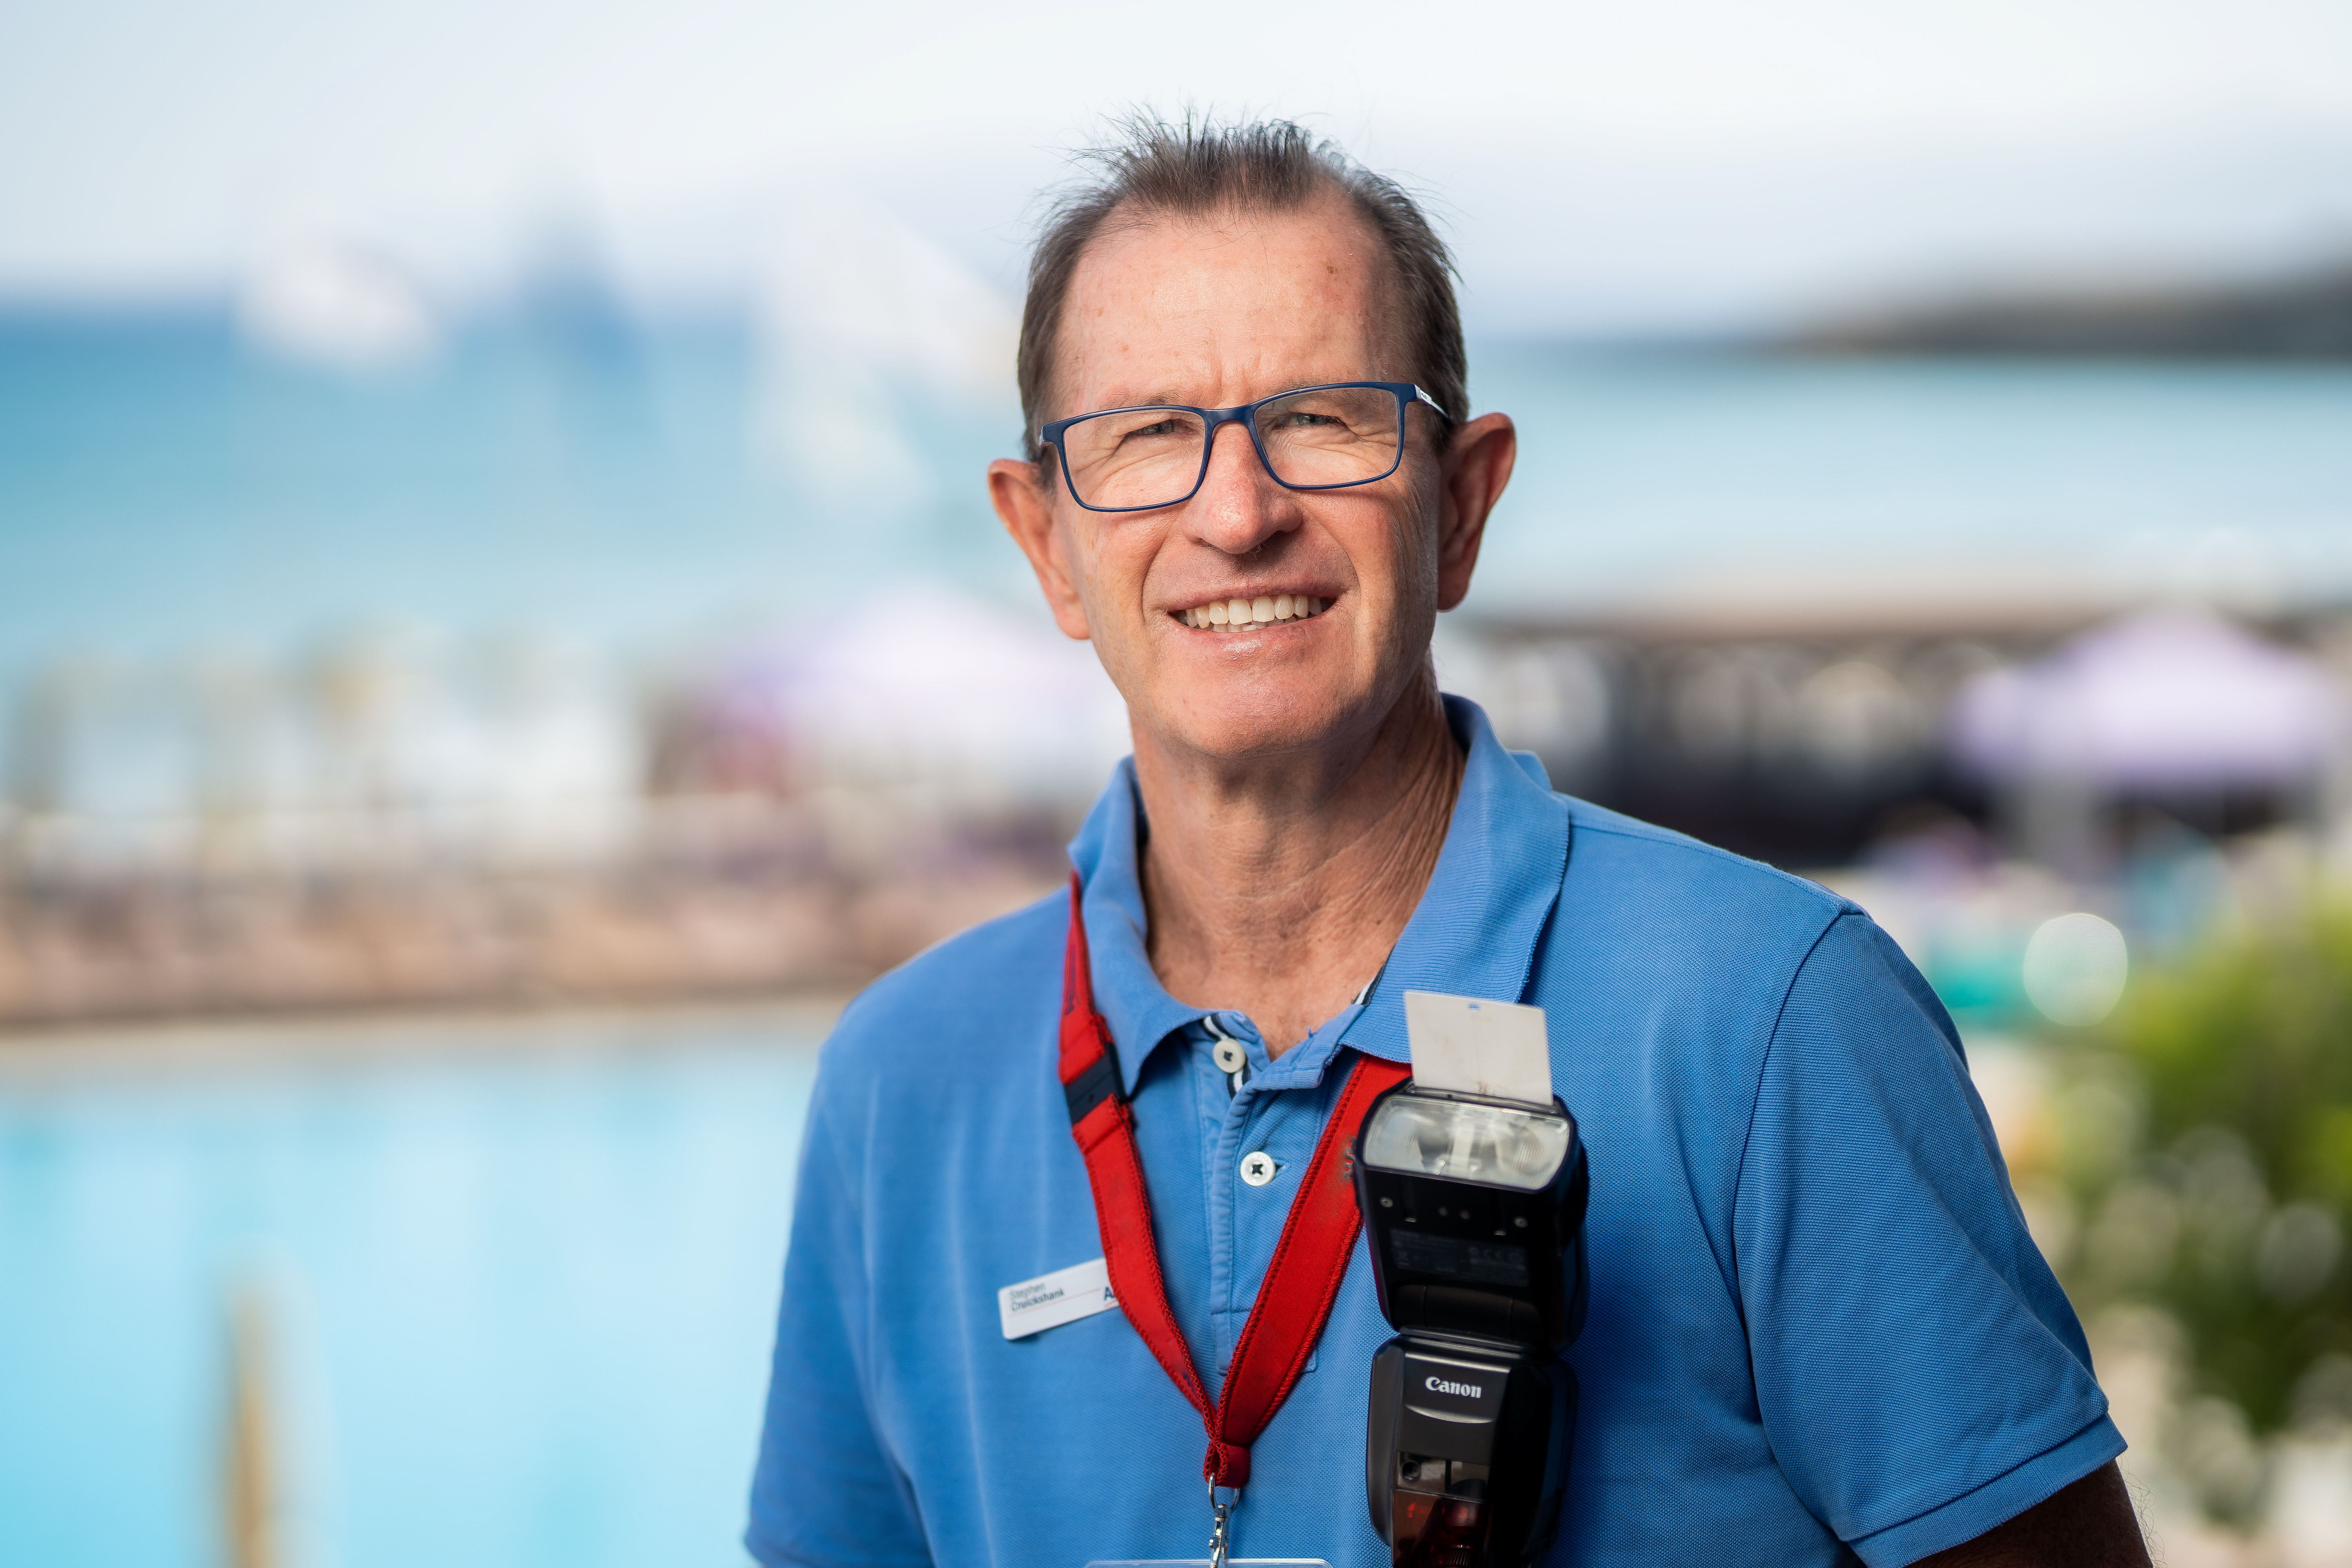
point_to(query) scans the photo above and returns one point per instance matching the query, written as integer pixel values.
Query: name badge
(1052, 1300)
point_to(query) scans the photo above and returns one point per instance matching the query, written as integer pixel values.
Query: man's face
(1211, 312)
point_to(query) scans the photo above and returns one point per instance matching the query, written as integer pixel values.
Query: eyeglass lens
(1138, 457)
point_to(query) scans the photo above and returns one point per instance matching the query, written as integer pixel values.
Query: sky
(1675, 161)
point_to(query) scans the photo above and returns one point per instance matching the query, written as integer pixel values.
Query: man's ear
(1473, 469)
(1018, 492)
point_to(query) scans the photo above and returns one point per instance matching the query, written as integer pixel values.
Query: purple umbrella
(2167, 699)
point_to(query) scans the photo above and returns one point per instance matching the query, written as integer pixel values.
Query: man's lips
(1252, 613)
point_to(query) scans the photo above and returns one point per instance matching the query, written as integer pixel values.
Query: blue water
(1640, 473)
(166, 488)
(520, 1297)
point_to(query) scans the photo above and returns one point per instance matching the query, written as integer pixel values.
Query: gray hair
(1265, 166)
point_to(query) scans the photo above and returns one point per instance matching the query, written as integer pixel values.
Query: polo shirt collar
(1107, 853)
(1497, 880)
(1473, 933)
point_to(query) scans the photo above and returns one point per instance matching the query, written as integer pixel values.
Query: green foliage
(2255, 1034)
(2207, 1138)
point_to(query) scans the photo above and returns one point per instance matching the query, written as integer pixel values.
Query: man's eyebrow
(1160, 398)
(1155, 399)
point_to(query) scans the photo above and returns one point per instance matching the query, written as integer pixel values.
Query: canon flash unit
(1475, 1207)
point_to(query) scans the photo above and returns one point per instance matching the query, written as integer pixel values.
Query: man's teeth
(1248, 615)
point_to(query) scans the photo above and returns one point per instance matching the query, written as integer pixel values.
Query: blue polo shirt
(1818, 1330)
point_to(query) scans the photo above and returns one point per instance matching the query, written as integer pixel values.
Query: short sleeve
(826, 1491)
(1921, 1375)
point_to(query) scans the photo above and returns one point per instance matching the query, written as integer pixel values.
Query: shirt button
(1257, 1168)
(1229, 1056)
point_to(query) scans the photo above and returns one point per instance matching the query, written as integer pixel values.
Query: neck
(1279, 888)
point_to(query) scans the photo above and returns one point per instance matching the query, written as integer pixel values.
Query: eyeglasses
(1312, 438)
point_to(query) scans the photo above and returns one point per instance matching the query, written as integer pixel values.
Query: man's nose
(1239, 506)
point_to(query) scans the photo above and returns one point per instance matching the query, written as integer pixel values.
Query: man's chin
(1260, 730)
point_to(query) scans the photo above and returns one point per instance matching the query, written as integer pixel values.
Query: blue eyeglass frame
(1244, 415)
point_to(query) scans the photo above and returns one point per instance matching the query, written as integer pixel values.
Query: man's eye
(1169, 428)
(1300, 419)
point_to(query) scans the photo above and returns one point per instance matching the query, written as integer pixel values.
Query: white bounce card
(1474, 1047)
(1052, 1300)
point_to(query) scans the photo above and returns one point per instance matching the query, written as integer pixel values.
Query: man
(1818, 1329)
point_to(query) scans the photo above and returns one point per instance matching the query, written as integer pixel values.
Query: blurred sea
(166, 488)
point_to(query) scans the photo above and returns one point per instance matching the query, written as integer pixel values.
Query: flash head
(1469, 1141)
(1476, 1212)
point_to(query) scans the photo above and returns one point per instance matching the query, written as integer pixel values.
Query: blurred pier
(390, 823)
(396, 824)
(693, 897)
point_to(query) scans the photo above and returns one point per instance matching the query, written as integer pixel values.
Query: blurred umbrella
(2168, 700)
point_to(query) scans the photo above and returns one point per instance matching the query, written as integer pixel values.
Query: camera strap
(1309, 1260)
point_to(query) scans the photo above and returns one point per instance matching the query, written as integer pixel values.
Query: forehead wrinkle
(1099, 325)
(1183, 310)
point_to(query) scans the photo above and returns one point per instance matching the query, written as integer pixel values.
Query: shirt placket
(1245, 1220)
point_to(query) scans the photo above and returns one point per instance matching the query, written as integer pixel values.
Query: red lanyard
(1309, 1260)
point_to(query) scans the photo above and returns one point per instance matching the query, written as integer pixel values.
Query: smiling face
(1212, 312)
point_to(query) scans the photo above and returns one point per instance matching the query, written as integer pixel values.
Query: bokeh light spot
(2075, 969)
